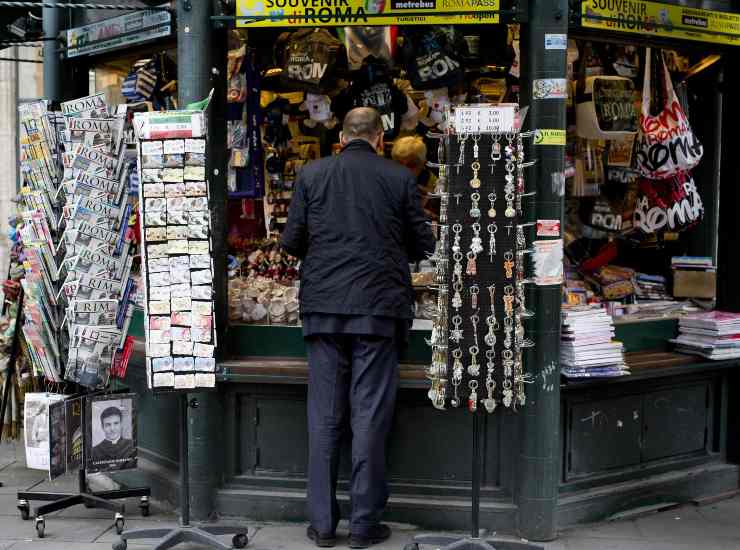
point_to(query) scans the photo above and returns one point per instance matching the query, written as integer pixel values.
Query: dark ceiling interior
(19, 24)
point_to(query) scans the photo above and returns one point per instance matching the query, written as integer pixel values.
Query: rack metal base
(449, 542)
(204, 535)
(62, 501)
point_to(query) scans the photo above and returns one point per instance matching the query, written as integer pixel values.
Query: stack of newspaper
(75, 212)
(713, 334)
(587, 348)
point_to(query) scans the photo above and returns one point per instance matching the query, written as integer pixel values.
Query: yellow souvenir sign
(662, 20)
(322, 13)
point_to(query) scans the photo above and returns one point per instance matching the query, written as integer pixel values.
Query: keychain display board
(478, 336)
(477, 333)
(177, 266)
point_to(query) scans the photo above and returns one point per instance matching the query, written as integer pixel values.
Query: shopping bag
(672, 204)
(666, 145)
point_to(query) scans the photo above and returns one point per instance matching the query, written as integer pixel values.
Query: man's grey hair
(362, 123)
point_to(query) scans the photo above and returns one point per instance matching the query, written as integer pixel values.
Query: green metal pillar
(52, 61)
(198, 72)
(543, 70)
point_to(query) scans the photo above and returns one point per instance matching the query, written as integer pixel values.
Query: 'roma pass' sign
(312, 13)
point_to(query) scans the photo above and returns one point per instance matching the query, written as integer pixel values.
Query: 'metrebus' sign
(311, 13)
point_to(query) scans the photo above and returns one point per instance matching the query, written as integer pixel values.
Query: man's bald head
(363, 123)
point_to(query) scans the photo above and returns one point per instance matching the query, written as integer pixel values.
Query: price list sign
(486, 119)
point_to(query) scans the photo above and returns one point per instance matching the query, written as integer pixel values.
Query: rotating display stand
(205, 534)
(478, 334)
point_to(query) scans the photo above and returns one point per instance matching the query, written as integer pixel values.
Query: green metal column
(539, 456)
(197, 75)
(52, 62)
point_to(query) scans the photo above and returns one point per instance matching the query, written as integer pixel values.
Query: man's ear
(342, 142)
(381, 144)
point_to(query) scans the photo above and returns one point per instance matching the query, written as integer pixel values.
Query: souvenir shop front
(625, 235)
(649, 424)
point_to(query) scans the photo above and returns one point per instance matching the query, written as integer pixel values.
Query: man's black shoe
(322, 541)
(374, 535)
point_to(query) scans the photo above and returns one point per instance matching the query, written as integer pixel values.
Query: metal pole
(475, 508)
(52, 62)
(196, 77)
(184, 466)
(717, 161)
(539, 454)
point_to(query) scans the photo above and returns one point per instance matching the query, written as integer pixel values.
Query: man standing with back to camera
(356, 222)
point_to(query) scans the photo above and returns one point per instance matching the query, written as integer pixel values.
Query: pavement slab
(57, 529)
(682, 524)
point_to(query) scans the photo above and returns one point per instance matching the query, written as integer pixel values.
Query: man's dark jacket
(356, 222)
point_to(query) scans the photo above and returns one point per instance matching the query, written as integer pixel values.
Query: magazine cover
(57, 439)
(110, 442)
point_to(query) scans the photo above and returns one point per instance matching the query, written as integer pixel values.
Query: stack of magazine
(75, 209)
(587, 348)
(712, 334)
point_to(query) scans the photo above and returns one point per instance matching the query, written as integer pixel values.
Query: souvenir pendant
(457, 373)
(456, 334)
(461, 158)
(509, 300)
(474, 210)
(508, 304)
(509, 267)
(521, 398)
(474, 291)
(474, 323)
(490, 403)
(510, 212)
(457, 268)
(476, 243)
(444, 201)
(492, 229)
(439, 403)
(508, 396)
(473, 398)
(471, 268)
(441, 187)
(495, 152)
(520, 241)
(492, 200)
(456, 229)
(475, 181)
(456, 298)
(474, 369)
(490, 337)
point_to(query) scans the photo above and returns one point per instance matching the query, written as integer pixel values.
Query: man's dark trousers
(355, 375)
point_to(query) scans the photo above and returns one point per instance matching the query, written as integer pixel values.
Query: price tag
(485, 119)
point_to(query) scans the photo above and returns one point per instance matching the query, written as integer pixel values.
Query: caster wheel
(40, 526)
(120, 522)
(240, 540)
(411, 546)
(24, 509)
(144, 506)
(119, 545)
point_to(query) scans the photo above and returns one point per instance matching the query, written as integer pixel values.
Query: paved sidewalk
(710, 527)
